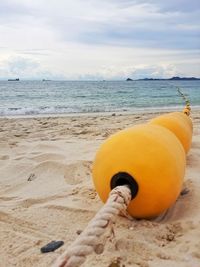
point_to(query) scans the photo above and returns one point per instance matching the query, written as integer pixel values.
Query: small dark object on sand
(185, 191)
(31, 177)
(53, 245)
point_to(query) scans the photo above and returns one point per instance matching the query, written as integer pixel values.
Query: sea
(32, 98)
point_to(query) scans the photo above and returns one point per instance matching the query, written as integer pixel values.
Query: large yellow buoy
(184, 117)
(178, 125)
(150, 159)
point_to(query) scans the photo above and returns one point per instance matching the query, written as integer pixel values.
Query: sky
(99, 39)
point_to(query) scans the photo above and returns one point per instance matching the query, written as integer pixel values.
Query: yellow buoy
(186, 111)
(178, 126)
(147, 157)
(184, 117)
(187, 107)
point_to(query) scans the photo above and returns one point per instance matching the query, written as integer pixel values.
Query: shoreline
(139, 111)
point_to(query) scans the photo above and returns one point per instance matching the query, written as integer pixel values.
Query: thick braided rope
(85, 244)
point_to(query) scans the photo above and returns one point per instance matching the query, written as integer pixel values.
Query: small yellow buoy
(150, 159)
(186, 110)
(178, 126)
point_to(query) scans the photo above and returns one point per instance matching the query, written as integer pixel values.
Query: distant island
(13, 80)
(176, 78)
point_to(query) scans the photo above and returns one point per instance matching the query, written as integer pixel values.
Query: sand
(46, 193)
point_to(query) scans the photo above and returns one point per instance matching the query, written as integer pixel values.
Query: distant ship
(13, 80)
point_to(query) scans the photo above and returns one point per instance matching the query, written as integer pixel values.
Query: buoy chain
(85, 244)
(187, 101)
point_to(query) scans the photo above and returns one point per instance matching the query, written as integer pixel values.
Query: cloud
(99, 63)
(133, 23)
(84, 38)
(152, 23)
(171, 5)
(136, 72)
(19, 65)
(25, 68)
(12, 12)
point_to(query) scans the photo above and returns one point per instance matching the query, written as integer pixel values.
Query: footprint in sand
(4, 157)
(4, 160)
(196, 254)
(169, 233)
(193, 161)
(48, 156)
(77, 172)
(178, 210)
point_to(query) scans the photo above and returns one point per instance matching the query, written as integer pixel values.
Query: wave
(26, 111)
(66, 110)
(49, 111)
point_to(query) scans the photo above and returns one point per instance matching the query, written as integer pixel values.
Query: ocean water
(67, 97)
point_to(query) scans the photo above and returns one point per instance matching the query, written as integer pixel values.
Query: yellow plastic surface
(186, 111)
(184, 117)
(153, 156)
(178, 126)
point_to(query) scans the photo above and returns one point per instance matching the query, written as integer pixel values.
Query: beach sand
(46, 193)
